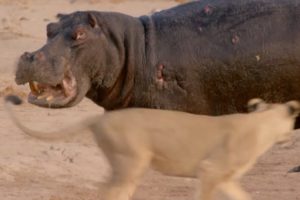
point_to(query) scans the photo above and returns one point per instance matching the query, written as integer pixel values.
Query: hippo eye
(79, 35)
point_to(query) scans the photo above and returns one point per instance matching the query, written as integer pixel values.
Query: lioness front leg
(209, 179)
(126, 172)
(207, 189)
(234, 191)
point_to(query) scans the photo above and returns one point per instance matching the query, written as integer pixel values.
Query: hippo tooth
(49, 98)
(33, 87)
(66, 88)
(42, 96)
(66, 92)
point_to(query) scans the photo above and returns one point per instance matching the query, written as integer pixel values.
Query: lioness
(217, 150)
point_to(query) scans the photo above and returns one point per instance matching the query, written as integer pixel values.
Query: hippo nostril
(39, 56)
(28, 56)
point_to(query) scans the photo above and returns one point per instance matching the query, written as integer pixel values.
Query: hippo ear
(61, 16)
(256, 105)
(293, 108)
(295, 169)
(52, 29)
(92, 20)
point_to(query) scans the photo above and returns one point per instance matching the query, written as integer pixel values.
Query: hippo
(207, 57)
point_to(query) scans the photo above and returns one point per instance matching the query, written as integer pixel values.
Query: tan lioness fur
(217, 150)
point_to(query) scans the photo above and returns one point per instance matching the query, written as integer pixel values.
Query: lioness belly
(175, 168)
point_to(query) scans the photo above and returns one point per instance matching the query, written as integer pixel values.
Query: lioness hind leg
(234, 191)
(126, 172)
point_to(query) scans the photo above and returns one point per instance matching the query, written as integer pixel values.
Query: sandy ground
(35, 170)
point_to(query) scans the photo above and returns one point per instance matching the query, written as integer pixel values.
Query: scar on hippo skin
(208, 9)
(257, 58)
(159, 76)
(163, 78)
(200, 29)
(235, 39)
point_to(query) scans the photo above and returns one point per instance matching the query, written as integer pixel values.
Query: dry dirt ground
(35, 170)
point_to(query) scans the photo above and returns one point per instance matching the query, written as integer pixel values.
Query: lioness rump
(217, 150)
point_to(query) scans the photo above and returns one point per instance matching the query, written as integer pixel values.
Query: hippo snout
(37, 66)
(28, 66)
(33, 57)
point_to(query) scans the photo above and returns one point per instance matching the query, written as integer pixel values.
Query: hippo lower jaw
(58, 95)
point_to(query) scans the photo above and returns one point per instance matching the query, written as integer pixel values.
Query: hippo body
(207, 57)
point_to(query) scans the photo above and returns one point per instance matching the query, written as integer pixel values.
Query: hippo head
(61, 72)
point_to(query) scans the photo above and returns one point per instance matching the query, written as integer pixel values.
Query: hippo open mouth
(53, 95)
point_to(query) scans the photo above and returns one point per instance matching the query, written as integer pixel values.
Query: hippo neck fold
(127, 35)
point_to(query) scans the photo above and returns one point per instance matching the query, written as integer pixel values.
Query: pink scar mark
(200, 29)
(208, 9)
(159, 74)
(235, 39)
(40, 56)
